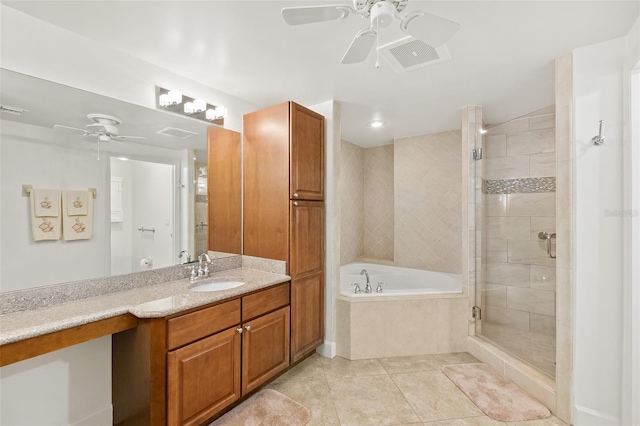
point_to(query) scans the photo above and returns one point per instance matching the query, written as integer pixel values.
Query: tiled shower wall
(519, 277)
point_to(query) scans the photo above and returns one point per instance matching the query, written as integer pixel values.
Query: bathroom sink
(217, 284)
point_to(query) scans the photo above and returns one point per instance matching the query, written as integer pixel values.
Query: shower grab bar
(547, 236)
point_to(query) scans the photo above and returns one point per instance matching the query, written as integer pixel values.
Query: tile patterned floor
(405, 391)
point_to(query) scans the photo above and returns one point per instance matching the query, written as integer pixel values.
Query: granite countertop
(152, 301)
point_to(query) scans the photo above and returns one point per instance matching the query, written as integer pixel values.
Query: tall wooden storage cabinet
(284, 208)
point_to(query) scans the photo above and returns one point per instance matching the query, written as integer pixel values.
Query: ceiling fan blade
(360, 47)
(60, 126)
(310, 14)
(127, 137)
(432, 29)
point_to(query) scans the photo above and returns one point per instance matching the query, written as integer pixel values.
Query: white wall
(30, 157)
(599, 250)
(331, 112)
(69, 386)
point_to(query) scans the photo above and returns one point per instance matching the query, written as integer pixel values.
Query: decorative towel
(45, 226)
(46, 202)
(77, 227)
(77, 203)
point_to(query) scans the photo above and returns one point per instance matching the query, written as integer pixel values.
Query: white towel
(45, 227)
(46, 202)
(76, 227)
(77, 203)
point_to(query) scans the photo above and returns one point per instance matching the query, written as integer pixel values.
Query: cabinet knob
(295, 203)
(247, 327)
(239, 330)
(295, 195)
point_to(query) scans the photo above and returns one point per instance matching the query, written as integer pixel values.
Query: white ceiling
(502, 57)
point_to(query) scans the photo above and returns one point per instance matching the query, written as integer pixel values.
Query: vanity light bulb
(188, 108)
(199, 105)
(175, 97)
(221, 112)
(164, 100)
(210, 114)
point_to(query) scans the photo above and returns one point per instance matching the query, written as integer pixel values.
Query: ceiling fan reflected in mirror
(104, 128)
(426, 27)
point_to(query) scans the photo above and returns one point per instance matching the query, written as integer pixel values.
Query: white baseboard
(327, 349)
(102, 417)
(587, 416)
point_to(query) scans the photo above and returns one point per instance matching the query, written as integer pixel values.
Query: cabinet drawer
(196, 325)
(265, 301)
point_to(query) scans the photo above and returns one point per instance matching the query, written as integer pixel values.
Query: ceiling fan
(104, 128)
(426, 27)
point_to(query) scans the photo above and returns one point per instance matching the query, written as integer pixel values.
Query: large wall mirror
(152, 197)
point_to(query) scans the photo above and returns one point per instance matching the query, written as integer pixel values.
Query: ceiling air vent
(176, 133)
(409, 54)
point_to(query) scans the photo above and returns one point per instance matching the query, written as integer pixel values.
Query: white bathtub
(396, 281)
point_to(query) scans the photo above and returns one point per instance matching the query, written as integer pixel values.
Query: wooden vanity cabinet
(184, 369)
(284, 208)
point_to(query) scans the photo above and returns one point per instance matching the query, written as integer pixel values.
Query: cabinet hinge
(476, 312)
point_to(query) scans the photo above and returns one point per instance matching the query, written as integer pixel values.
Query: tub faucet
(367, 288)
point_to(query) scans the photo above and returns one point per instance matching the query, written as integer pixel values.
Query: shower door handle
(547, 236)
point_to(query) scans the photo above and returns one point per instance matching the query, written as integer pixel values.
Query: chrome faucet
(203, 270)
(187, 253)
(367, 288)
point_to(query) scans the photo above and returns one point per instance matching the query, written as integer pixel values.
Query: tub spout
(367, 288)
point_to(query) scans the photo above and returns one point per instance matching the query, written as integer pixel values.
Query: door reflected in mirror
(142, 219)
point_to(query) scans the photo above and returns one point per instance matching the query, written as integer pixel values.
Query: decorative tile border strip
(515, 186)
(202, 199)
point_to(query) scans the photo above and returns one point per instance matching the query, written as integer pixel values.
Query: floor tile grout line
(405, 398)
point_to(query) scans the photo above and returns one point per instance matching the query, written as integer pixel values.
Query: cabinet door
(266, 182)
(307, 154)
(307, 277)
(265, 348)
(307, 315)
(203, 378)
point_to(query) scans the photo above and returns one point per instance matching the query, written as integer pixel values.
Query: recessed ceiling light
(377, 123)
(482, 131)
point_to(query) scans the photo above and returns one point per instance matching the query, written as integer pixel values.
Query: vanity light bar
(178, 103)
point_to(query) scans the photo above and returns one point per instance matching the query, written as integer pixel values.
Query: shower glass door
(515, 206)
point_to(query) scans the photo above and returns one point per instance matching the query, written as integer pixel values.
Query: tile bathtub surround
(393, 391)
(42, 297)
(378, 202)
(428, 202)
(386, 327)
(351, 192)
